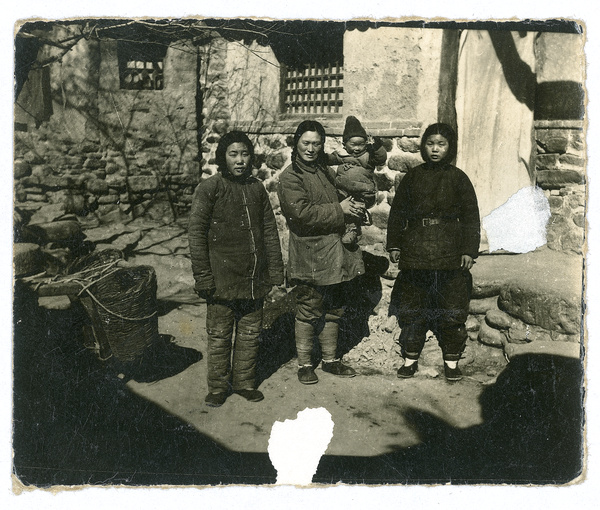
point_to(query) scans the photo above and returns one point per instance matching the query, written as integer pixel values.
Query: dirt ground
(367, 410)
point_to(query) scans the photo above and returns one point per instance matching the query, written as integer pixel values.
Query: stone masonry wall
(560, 164)
(134, 153)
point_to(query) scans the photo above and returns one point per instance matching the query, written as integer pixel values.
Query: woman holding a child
(320, 265)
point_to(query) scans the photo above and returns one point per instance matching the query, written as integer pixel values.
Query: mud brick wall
(560, 166)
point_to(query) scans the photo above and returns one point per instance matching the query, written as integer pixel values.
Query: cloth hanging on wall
(494, 108)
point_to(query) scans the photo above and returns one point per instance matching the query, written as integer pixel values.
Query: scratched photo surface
(117, 123)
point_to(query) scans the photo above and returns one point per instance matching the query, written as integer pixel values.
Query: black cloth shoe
(338, 368)
(215, 399)
(452, 374)
(407, 371)
(306, 375)
(251, 395)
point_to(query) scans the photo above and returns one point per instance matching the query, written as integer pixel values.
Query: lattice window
(140, 75)
(141, 66)
(313, 88)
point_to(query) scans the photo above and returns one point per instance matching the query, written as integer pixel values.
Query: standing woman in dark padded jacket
(433, 235)
(319, 264)
(236, 261)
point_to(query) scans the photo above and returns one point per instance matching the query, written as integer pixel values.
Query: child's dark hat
(353, 128)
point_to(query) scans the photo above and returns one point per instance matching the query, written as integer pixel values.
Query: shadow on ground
(532, 433)
(76, 423)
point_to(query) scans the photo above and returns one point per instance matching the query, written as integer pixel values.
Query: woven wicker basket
(94, 260)
(125, 302)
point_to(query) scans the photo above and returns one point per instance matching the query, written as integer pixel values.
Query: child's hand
(394, 256)
(466, 262)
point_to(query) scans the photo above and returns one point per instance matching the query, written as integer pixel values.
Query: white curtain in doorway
(494, 107)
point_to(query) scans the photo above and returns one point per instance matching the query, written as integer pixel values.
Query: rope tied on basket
(97, 301)
(107, 270)
(89, 277)
(119, 300)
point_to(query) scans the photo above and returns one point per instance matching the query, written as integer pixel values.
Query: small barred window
(141, 66)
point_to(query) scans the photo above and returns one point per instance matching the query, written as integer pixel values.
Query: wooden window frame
(312, 89)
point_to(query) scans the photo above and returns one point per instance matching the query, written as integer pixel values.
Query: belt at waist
(427, 222)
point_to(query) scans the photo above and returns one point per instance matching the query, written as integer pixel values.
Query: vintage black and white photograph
(266, 251)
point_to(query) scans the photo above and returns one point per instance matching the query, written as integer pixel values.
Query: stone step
(542, 288)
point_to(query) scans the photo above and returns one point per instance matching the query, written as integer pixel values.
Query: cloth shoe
(407, 371)
(215, 399)
(306, 375)
(251, 395)
(452, 374)
(338, 368)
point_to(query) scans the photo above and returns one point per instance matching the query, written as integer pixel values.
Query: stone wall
(560, 165)
(107, 154)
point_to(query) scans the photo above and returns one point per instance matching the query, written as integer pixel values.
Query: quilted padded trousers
(318, 312)
(232, 361)
(432, 300)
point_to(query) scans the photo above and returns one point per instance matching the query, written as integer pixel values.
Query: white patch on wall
(519, 225)
(296, 446)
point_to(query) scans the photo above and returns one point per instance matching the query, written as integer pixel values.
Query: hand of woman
(352, 208)
(466, 262)
(394, 256)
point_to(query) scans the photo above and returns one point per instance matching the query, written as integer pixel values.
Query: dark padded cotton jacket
(442, 192)
(233, 238)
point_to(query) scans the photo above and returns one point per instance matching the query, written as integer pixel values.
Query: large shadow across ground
(76, 423)
(532, 433)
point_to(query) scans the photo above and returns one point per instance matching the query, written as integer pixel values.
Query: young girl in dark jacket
(433, 235)
(236, 261)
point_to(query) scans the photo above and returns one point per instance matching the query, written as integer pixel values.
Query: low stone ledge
(566, 349)
(551, 312)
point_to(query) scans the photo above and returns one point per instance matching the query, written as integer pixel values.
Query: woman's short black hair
(303, 127)
(226, 141)
(448, 133)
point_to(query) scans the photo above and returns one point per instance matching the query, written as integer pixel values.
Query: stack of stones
(99, 184)
(515, 318)
(560, 165)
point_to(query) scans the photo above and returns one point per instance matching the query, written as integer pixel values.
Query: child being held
(356, 165)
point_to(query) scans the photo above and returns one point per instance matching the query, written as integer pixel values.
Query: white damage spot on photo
(519, 225)
(296, 446)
